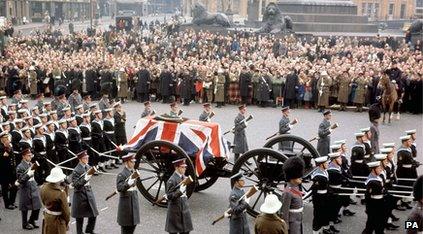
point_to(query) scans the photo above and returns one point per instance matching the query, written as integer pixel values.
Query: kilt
(233, 92)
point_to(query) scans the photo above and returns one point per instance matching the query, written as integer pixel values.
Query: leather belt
(56, 213)
(376, 196)
(110, 132)
(407, 165)
(299, 210)
(86, 138)
(335, 186)
(322, 191)
(358, 161)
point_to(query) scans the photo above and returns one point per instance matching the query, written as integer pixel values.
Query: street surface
(209, 204)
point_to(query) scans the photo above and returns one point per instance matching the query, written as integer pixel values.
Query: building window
(370, 9)
(377, 9)
(363, 8)
(402, 12)
(419, 3)
(391, 9)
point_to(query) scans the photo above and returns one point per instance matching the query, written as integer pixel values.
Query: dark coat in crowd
(291, 86)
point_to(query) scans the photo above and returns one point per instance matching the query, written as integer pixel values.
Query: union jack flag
(202, 140)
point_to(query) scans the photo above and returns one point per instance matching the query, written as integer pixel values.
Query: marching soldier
(97, 137)
(93, 108)
(54, 198)
(320, 199)
(74, 138)
(413, 147)
(7, 171)
(16, 138)
(324, 132)
(368, 157)
(148, 110)
(109, 133)
(240, 137)
(55, 118)
(375, 207)
(358, 165)
(3, 107)
(120, 121)
(85, 128)
(292, 200)
(26, 141)
(75, 99)
(128, 208)
(86, 102)
(50, 145)
(83, 203)
(79, 110)
(178, 219)
(174, 109)
(29, 198)
(61, 141)
(35, 114)
(104, 103)
(43, 118)
(285, 127)
(205, 116)
(66, 112)
(40, 153)
(238, 222)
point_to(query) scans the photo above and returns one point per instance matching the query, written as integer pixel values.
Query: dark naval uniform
(87, 142)
(29, 194)
(83, 202)
(323, 144)
(406, 165)
(240, 137)
(292, 208)
(74, 142)
(285, 128)
(128, 215)
(358, 165)
(178, 219)
(7, 175)
(368, 156)
(61, 143)
(120, 130)
(375, 205)
(320, 199)
(16, 138)
(238, 222)
(336, 181)
(97, 137)
(51, 148)
(40, 154)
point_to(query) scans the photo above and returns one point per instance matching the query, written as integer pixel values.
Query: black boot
(333, 229)
(391, 227)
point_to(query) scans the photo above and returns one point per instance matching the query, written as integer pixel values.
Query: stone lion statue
(273, 22)
(416, 26)
(202, 17)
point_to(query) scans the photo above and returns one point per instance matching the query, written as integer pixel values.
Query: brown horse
(389, 96)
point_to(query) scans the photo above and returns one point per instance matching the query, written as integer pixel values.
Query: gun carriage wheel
(154, 161)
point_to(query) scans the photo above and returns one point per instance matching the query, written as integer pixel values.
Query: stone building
(388, 9)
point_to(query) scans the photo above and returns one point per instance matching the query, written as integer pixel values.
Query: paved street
(208, 204)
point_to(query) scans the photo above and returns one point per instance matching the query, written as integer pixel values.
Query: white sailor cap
(320, 160)
(43, 115)
(27, 117)
(23, 101)
(24, 129)
(386, 150)
(5, 123)
(46, 103)
(11, 112)
(2, 97)
(70, 119)
(404, 138)
(389, 145)
(108, 109)
(66, 108)
(38, 126)
(365, 129)
(49, 123)
(410, 132)
(18, 121)
(334, 155)
(335, 147)
(340, 142)
(85, 114)
(97, 112)
(20, 111)
(61, 121)
(117, 104)
(373, 164)
(13, 104)
(34, 108)
(79, 107)
(52, 112)
(93, 105)
(380, 157)
(359, 134)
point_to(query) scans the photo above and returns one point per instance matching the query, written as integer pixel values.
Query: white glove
(247, 199)
(246, 123)
(183, 188)
(131, 182)
(289, 126)
(330, 130)
(30, 173)
(226, 215)
(87, 177)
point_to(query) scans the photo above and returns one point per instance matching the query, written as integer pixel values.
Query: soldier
(122, 85)
(148, 110)
(54, 118)
(54, 198)
(174, 110)
(178, 219)
(32, 81)
(93, 108)
(368, 156)
(268, 221)
(413, 147)
(323, 85)
(5, 126)
(26, 141)
(104, 103)
(143, 84)
(128, 208)
(375, 207)
(50, 146)
(240, 137)
(83, 202)
(7, 171)
(320, 199)
(238, 222)
(74, 138)
(358, 165)
(285, 127)
(86, 102)
(61, 141)
(66, 112)
(292, 201)
(360, 91)
(219, 88)
(85, 128)
(374, 135)
(3, 107)
(79, 110)
(29, 198)
(120, 130)
(109, 133)
(245, 85)
(17, 135)
(97, 137)
(43, 118)
(324, 132)
(205, 116)
(40, 153)
(75, 99)
(343, 90)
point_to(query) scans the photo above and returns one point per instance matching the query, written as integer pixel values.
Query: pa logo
(411, 225)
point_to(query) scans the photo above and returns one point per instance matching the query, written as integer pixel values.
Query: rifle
(187, 181)
(34, 167)
(243, 121)
(335, 125)
(292, 123)
(248, 194)
(180, 112)
(134, 175)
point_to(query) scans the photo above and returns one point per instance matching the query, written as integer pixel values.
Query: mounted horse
(389, 96)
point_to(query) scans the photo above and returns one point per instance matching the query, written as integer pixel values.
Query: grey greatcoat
(292, 200)
(178, 217)
(238, 222)
(240, 137)
(83, 202)
(219, 90)
(128, 208)
(29, 194)
(284, 128)
(204, 117)
(374, 140)
(323, 144)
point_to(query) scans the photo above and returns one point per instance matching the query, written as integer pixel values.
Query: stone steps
(339, 18)
(333, 27)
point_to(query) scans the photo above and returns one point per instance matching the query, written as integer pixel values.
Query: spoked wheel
(265, 172)
(205, 182)
(210, 175)
(291, 145)
(154, 161)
